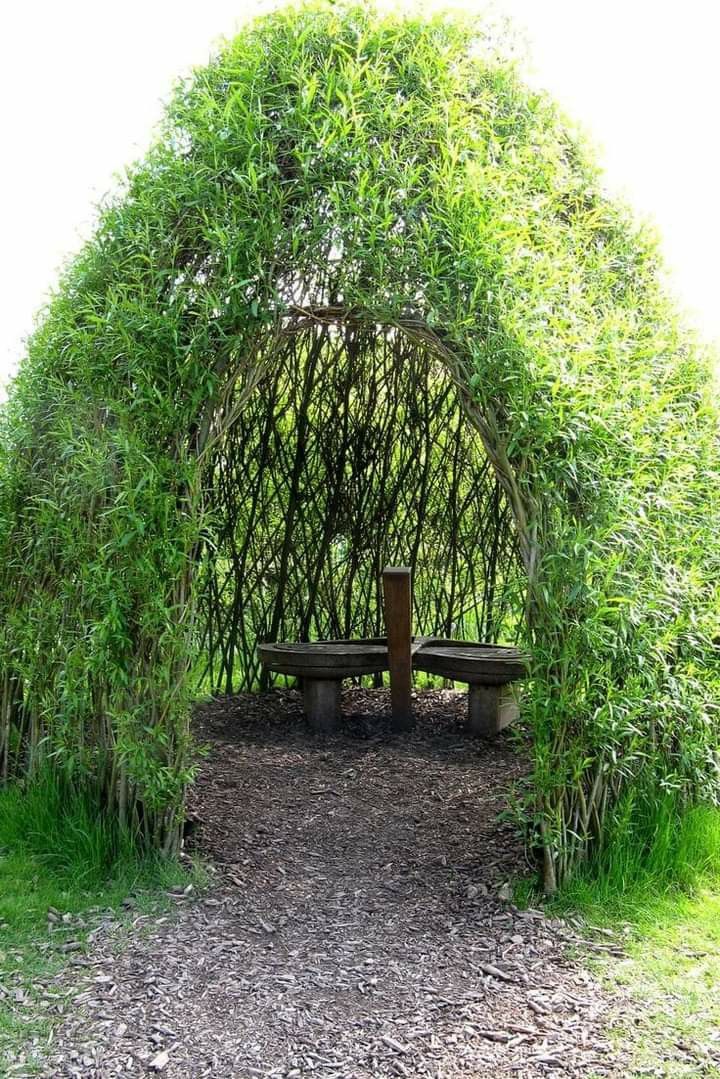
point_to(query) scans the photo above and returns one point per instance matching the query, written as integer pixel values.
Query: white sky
(82, 83)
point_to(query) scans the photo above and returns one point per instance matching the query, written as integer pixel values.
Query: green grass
(673, 968)
(662, 898)
(58, 854)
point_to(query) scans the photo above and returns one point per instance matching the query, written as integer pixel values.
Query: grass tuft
(63, 830)
(657, 857)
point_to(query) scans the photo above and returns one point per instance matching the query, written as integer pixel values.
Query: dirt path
(355, 928)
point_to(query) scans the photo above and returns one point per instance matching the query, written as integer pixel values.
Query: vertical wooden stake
(396, 590)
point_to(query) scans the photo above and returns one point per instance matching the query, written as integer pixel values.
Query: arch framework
(398, 171)
(353, 453)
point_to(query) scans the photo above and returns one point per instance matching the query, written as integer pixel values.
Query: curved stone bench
(489, 670)
(322, 665)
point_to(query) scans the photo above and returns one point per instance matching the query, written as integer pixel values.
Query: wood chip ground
(355, 927)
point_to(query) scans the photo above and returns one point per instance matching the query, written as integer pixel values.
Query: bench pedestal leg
(321, 699)
(490, 708)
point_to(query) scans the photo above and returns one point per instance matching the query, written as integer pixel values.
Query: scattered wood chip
(361, 935)
(160, 1062)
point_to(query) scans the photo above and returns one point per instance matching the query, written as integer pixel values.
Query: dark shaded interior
(352, 453)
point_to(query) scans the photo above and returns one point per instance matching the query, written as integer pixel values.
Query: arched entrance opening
(344, 447)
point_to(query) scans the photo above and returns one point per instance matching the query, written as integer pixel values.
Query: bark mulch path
(354, 928)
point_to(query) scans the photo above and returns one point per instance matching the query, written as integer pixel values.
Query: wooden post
(397, 593)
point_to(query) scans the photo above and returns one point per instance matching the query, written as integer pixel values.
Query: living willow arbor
(364, 296)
